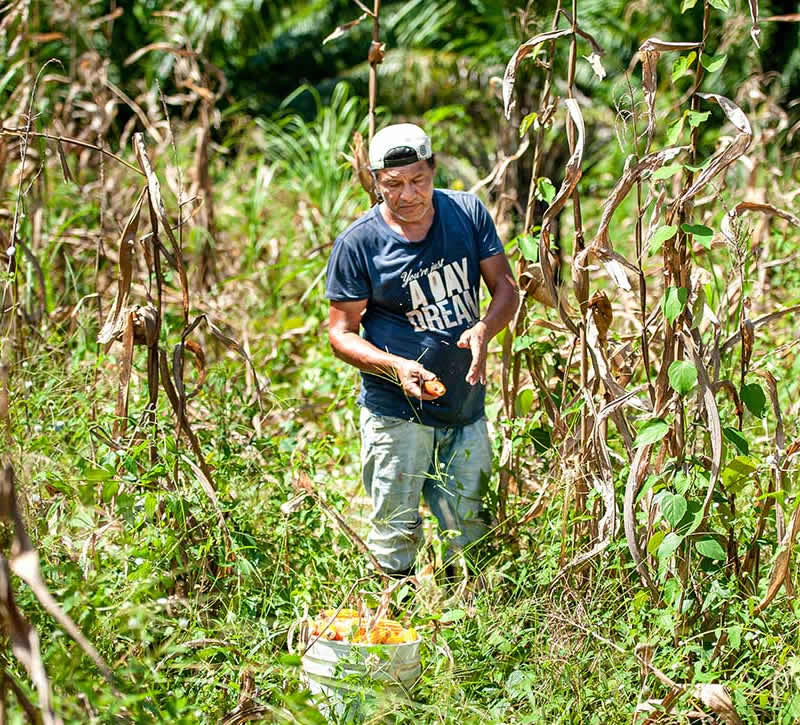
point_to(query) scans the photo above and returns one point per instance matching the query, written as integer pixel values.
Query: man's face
(407, 190)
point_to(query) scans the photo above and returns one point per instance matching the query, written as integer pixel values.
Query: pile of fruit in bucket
(347, 625)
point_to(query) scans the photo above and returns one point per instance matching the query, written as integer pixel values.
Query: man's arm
(344, 320)
(496, 272)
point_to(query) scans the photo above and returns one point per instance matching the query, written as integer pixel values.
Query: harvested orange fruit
(434, 387)
(348, 627)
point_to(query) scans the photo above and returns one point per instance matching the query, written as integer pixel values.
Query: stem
(373, 67)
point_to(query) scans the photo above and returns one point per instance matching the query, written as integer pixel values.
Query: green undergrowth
(132, 548)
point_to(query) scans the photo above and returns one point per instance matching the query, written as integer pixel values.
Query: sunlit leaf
(528, 247)
(526, 123)
(682, 376)
(524, 402)
(454, 615)
(651, 432)
(665, 172)
(668, 546)
(660, 236)
(546, 189)
(674, 303)
(720, 5)
(695, 118)
(655, 542)
(709, 546)
(673, 507)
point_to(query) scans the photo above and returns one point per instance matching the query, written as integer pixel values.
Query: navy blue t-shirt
(420, 297)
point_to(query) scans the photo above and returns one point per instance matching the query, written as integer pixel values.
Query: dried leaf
(572, 174)
(63, 159)
(755, 30)
(716, 698)
(780, 570)
(597, 65)
(743, 206)
(229, 342)
(342, 29)
(694, 346)
(24, 562)
(524, 50)
(25, 644)
(377, 52)
(359, 160)
(603, 316)
(601, 246)
(158, 212)
(725, 157)
(532, 281)
(125, 368)
(636, 476)
(649, 53)
(113, 327)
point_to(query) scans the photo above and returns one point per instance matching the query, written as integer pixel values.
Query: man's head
(402, 162)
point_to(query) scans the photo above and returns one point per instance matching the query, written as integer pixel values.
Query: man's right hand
(411, 375)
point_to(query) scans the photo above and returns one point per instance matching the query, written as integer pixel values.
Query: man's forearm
(355, 350)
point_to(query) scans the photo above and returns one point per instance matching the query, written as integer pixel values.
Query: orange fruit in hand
(434, 387)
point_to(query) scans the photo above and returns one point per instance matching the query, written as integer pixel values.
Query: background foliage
(247, 116)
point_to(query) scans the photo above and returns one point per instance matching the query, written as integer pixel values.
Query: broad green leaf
(454, 615)
(687, 5)
(755, 400)
(720, 5)
(735, 636)
(700, 232)
(709, 546)
(98, 474)
(681, 482)
(682, 376)
(110, 489)
(691, 519)
(660, 236)
(673, 507)
(738, 440)
(674, 131)
(713, 63)
(523, 342)
(674, 302)
(524, 402)
(528, 247)
(651, 432)
(695, 118)
(665, 172)
(655, 542)
(546, 189)
(681, 65)
(668, 546)
(736, 473)
(526, 124)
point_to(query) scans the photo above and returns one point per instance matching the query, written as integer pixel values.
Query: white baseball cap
(399, 145)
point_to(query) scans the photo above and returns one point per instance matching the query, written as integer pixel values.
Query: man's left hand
(477, 340)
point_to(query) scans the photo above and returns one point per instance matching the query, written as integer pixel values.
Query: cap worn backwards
(399, 145)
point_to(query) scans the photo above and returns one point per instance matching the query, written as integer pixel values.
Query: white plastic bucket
(326, 663)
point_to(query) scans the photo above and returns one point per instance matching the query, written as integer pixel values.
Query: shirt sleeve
(489, 242)
(347, 277)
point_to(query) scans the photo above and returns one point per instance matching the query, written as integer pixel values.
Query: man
(409, 272)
